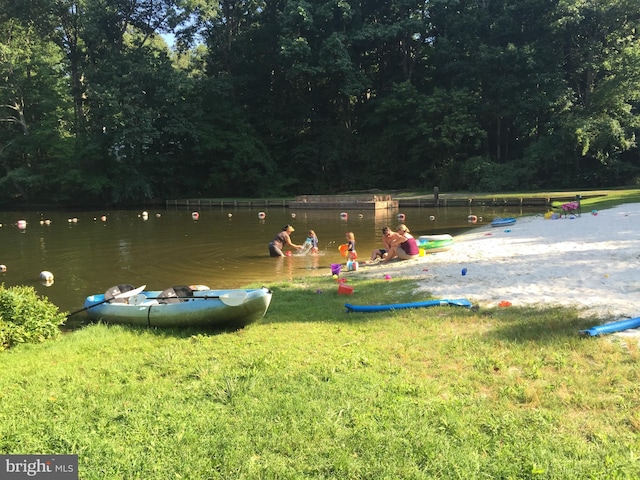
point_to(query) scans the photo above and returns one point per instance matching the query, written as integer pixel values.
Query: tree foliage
(257, 97)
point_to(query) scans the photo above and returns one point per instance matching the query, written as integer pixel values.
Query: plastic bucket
(335, 268)
(421, 252)
(344, 289)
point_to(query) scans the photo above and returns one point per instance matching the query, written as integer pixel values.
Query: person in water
(404, 246)
(312, 239)
(281, 240)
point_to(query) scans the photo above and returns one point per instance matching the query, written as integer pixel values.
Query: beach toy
(343, 249)
(352, 265)
(464, 272)
(319, 290)
(594, 212)
(334, 276)
(421, 252)
(504, 303)
(335, 268)
(345, 289)
(288, 253)
(387, 277)
(507, 231)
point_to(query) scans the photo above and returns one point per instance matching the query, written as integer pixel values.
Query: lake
(89, 251)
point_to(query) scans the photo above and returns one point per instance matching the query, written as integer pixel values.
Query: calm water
(223, 248)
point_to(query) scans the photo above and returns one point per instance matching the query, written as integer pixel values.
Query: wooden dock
(369, 202)
(345, 202)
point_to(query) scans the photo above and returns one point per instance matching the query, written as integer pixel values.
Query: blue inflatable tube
(461, 302)
(503, 222)
(612, 327)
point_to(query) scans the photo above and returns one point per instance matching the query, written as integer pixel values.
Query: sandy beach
(590, 262)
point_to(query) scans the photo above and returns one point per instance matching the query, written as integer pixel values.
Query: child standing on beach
(351, 249)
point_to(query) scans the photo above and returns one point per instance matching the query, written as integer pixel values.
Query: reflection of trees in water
(124, 251)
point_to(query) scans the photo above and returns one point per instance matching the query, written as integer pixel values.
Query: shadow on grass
(316, 299)
(535, 325)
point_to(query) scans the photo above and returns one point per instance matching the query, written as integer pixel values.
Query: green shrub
(27, 318)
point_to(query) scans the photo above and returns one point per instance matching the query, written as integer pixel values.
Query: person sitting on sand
(381, 253)
(282, 239)
(404, 246)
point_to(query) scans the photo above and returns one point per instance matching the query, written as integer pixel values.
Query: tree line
(260, 98)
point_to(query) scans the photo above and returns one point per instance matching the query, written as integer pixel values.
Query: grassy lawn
(314, 392)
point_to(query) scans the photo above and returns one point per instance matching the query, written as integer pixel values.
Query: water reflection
(87, 252)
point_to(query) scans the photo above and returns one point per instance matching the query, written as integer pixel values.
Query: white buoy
(229, 215)
(3, 268)
(432, 218)
(46, 278)
(261, 215)
(401, 217)
(344, 215)
(293, 215)
(195, 215)
(472, 219)
(22, 224)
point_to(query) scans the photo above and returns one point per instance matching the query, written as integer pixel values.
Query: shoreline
(588, 262)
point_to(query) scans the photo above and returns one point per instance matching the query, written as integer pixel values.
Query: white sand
(591, 262)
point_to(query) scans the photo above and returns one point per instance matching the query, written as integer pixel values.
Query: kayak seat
(177, 294)
(111, 293)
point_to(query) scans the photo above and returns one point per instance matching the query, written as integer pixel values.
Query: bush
(27, 318)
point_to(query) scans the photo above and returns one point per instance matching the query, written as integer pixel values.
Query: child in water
(312, 239)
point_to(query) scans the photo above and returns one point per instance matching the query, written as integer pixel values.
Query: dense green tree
(270, 97)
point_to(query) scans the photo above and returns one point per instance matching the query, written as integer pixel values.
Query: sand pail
(421, 252)
(335, 268)
(344, 289)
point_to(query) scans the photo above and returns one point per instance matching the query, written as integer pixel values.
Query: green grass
(314, 392)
